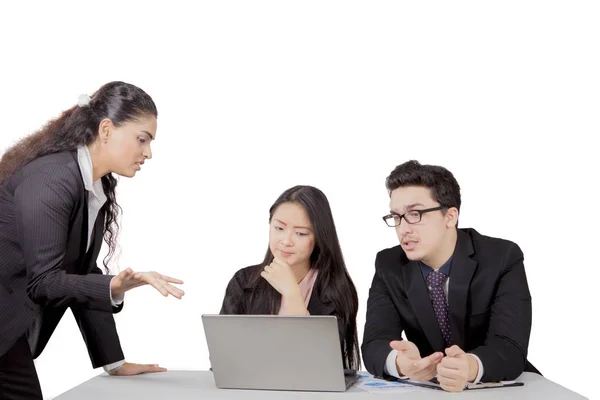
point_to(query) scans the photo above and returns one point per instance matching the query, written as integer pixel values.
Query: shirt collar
(445, 268)
(84, 159)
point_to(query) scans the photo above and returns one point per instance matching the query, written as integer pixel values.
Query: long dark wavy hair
(78, 126)
(333, 283)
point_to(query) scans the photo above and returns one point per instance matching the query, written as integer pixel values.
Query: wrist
(293, 294)
(115, 289)
(398, 369)
(473, 368)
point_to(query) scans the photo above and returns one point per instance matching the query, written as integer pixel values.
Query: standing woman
(57, 202)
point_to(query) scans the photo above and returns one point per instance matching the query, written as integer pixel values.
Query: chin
(413, 255)
(127, 174)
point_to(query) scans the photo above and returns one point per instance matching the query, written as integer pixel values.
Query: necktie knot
(435, 278)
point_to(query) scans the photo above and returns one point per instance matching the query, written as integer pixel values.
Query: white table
(199, 385)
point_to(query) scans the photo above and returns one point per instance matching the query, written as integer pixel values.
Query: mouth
(409, 244)
(139, 164)
(284, 253)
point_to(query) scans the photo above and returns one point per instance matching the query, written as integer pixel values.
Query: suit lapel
(96, 238)
(463, 268)
(84, 228)
(418, 297)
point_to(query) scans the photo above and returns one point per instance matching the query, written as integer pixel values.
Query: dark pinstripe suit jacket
(44, 266)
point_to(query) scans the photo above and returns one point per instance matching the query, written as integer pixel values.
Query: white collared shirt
(96, 196)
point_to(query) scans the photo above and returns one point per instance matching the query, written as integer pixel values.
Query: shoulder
(245, 277)
(484, 242)
(493, 248)
(58, 167)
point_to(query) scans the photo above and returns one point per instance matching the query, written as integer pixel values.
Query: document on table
(370, 384)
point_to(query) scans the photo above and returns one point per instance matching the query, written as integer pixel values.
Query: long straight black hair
(333, 282)
(78, 126)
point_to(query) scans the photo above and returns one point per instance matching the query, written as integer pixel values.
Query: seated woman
(303, 272)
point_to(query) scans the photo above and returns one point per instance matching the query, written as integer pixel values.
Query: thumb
(401, 345)
(454, 351)
(431, 359)
(126, 273)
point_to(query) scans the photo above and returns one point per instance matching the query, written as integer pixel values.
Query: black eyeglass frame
(420, 212)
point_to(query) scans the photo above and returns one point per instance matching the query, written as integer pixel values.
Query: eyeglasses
(412, 216)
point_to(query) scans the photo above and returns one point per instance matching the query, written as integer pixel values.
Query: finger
(454, 351)
(444, 380)
(431, 359)
(158, 285)
(148, 368)
(127, 273)
(450, 384)
(452, 363)
(448, 373)
(171, 280)
(174, 291)
(425, 374)
(453, 388)
(139, 275)
(266, 275)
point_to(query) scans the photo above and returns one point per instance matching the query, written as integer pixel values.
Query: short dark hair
(444, 187)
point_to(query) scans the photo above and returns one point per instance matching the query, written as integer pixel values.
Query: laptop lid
(275, 352)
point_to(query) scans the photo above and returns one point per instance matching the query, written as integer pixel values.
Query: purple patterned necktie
(435, 281)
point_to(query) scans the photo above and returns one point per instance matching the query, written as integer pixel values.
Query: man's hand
(409, 362)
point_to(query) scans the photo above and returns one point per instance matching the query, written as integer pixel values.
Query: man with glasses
(460, 298)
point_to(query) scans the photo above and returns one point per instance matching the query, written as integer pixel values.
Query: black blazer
(44, 267)
(489, 306)
(243, 296)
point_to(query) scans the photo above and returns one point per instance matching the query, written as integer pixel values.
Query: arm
(504, 353)
(44, 202)
(383, 325)
(100, 333)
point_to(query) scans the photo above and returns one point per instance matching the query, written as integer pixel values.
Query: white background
(256, 96)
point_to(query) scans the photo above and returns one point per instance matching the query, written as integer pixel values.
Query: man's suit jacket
(488, 298)
(44, 265)
(243, 296)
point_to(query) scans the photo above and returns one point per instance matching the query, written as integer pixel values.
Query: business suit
(243, 296)
(46, 266)
(488, 299)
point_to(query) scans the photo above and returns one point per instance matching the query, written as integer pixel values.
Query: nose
(286, 240)
(148, 153)
(404, 228)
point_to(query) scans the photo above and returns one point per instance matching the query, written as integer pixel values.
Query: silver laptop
(276, 352)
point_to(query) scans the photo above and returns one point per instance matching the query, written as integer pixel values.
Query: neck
(98, 165)
(444, 252)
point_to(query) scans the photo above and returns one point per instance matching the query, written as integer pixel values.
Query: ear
(452, 217)
(104, 130)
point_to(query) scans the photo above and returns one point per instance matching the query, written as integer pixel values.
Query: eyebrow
(408, 207)
(295, 227)
(149, 134)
